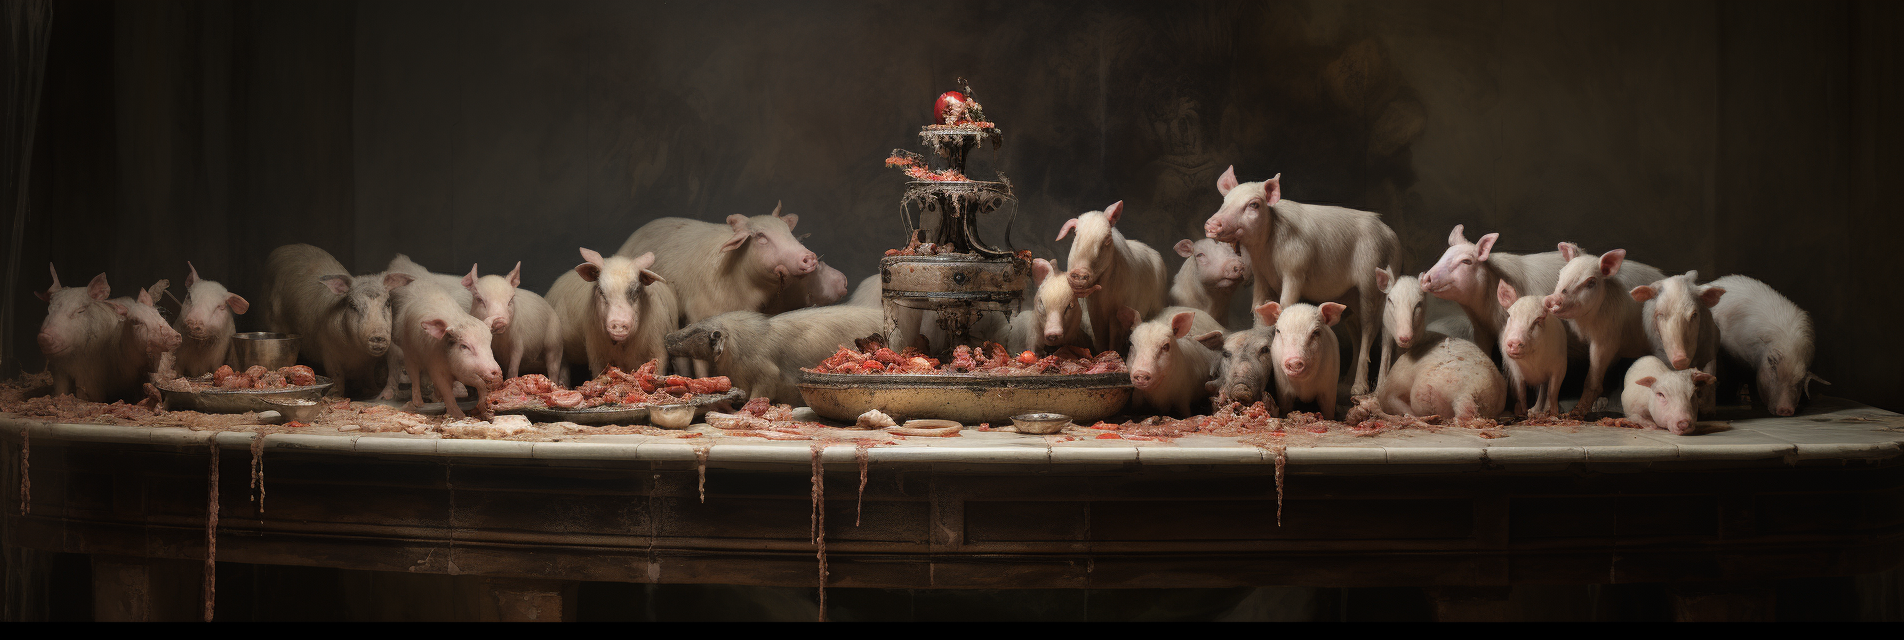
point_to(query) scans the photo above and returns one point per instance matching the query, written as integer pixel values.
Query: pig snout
(1080, 278)
(379, 345)
(1405, 339)
(1681, 362)
(197, 330)
(492, 374)
(1514, 348)
(1681, 426)
(618, 330)
(808, 263)
(1294, 367)
(1555, 304)
(1234, 269)
(498, 324)
(1217, 229)
(51, 344)
(1240, 392)
(1783, 410)
(1142, 378)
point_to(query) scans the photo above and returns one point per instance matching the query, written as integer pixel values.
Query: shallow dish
(969, 399)
(627, 413)
(237, 400)
(1040, 423)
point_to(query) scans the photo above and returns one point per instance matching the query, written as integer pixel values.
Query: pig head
(1677, 306)
(1581, 285)
(1462, 270)
(493, 298)
(208, 307)
(367, 299)
(1091, 256)
(1245, 370)
(1406, 313)
(1245, 212)
(1220, 265)
(767, 248)
(75, 317)
(618, 282)
(1304, 346)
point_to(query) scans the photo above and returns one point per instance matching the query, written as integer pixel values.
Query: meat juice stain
(26, 481)
(257, 469)
(211, 534)
(819, 519)
(860, 453)
(700, 460)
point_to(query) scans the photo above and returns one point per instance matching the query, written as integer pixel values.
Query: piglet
(1533, 350)
(442, 343)
(1677, 315)
(1658, 397)
(1056, 317)
(1435, 374)
(1304, 354)
(1592, 296)
(1469, 273)
(1243, 369)
(614, 312)
(1211, 273)
(1767, 332)
(87, 342)
(713, 268)
(146, 327)
(343, 321)
(764, 354)
(525, 326)
(1172, 357)
(1111, 272)
(207, 323)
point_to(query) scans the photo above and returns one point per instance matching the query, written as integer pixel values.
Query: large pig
(343, 321)
(1307, 252)
(1533, 350)
(207, 322)
(443, 344)
(1244, 369)
(1469, 273)
(1678, 319)
(1592, 295)
(1767, 332)
(1171, 360)
(1211, 273)
(1056, 317)
(1657, 397)
(716, 268)
(764, 354)
(614, 311)
(1435, 374)
(525, 326)
(1304, 354)
(87, 342)
(826, 285)
(1111, 272)
(450, 284)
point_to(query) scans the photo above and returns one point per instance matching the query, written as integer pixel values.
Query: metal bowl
(238, 400)
(672, 416)
(1040, 423)
(271, 350)
(967, 398)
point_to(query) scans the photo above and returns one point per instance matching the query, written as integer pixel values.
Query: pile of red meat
(257, 377)
(877, 359)
(917, 171)
(614, 386)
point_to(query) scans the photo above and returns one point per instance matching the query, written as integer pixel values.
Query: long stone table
(1745, 501)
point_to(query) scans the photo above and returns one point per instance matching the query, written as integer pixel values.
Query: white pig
(1307, 252)
(1056, 316)
(1469, 273)
(1770, 334)
(1304, 354)
(1676, 313)
(826, 285)
(714, 268)
(147, 328)
(1111, 272)
(1170, 362)
(88, 343)
(614, 312)
(443, 344)
(524, 324)
(1592, 295)
(1436, 374)
(1404, 315)
(764, 354)
(207, 323)
(1657, 397)
(343, 322)
(1245, 369)
(1211, 273)
(1533, 350)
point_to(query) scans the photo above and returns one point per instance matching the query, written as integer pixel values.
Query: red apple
(950, 102)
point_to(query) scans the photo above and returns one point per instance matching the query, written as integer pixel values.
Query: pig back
(294, 294)
(803, 338)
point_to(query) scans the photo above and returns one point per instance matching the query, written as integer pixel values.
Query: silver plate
(237, 400)
(623, 413)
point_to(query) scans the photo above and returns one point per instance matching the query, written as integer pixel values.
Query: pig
(1404, 314)
(442, 343)
(1605, 318)
(1657, 397)
(1167, 365)
(1244, 369)
(1056, 317)
(1533, 349)
(1435, 374)
(524, 325)
(147, 329)
(1767, 332)
(1468, 274)
(867, 293)
(343, 321)
(1676, 313)
(1304, 354)
(764, 354)
(826, 285)
(1111, 272)
(207, 321)
(714, 268)
(614, 312)
(1209, 277)
(450, 284)
(87, 342)
(1307, 252)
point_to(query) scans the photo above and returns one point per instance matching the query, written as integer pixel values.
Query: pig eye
(1467, 261)
(1226, 354)
(1265, 349)
(1589, 284)
(1166, 348)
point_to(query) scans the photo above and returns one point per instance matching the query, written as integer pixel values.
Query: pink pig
(715, 268)
(614, 312)
(1469, 273)
(1111, 272)
(1658, 397)
(443, 342)
(88, 343)
(1211, 273)
(207, 322)
(1304, 354)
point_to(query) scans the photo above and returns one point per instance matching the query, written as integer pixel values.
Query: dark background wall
(1728, 137)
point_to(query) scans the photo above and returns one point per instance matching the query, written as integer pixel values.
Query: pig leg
(1388, 350)
(1520, 391)
(395, 359)
(1327, 400)
(416, 387)
(1550, 393)
(1599, 356)
(441, 378)
(1371, 321)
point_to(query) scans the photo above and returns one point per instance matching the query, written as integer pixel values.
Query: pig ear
(1127, 316)
(1568, 250)
(650, 277)
(645, 260)
(1643, 292)
(1646, 381)
(1273, 190)
(1610, 262)
(395, 280)
(1040, 269)
(98, 288)
(1701, 378)
(589, 271)
(192, 277)
(776, 209)
(1114, 212)
(1506, 294)
(237, 304)
(1456, 237)
(1268, 312)
(1066, 229)
(469, 279)
(792, 219)
(591, 256)
(55, 272)
(1332, 312)
(741, 232)
(515, 275)
(1384, 280)
(145, 298)
(1213, 340)
(1186, 248)
(1485, 246)
(118, 308)
(46, 296)
(436, 327)
(1227, 181)
(340, 285)
(1180, 323)
(1710, 295)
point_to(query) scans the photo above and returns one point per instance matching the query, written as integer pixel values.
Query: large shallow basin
(970, 399)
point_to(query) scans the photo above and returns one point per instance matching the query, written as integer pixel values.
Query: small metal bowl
(270, 350)
(671, 416)
(1040, 423)
(293, 409)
